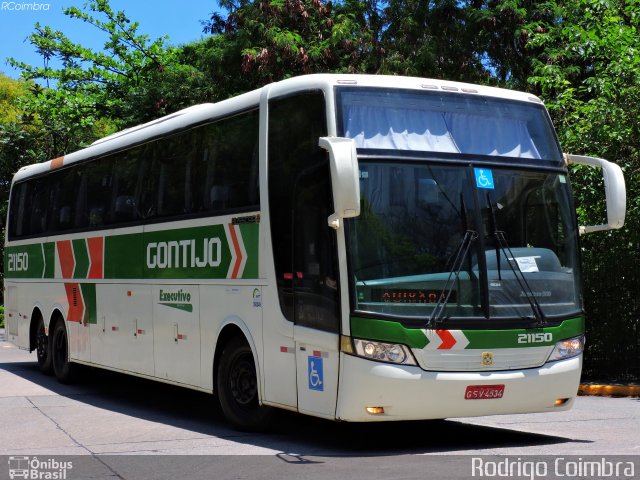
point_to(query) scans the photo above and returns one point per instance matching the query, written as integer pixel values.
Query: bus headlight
(571, 347)
(383, 352)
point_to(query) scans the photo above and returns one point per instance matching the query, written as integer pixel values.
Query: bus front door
(316, 301)
(317, 362)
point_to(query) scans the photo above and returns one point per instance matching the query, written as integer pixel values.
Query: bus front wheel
(43, 352)
(237, 388)
(63, 369)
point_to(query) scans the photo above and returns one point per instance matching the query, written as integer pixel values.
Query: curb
(610, 390)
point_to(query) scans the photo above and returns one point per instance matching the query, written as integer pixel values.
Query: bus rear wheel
(63, 369)
(43, 352)
(237, 388)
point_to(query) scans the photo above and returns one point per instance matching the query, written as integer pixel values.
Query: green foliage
(261, 42)
(132, 80)
(10, 92)
(432, 39)
(1, 316)
(589, 75)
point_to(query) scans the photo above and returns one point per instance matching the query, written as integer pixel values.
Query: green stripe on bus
(480, 339)
(26, 261)
(123, 256)
(49, 252)
(197, 252)
(394, 332)
(386, 331)
(90, 304)
(81, 257)
(250, 233)
(185, 253)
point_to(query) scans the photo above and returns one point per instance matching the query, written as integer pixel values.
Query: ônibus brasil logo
(36, 469)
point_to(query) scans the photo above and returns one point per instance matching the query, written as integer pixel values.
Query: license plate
(483, 392)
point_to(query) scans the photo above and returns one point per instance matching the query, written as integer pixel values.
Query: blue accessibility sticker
(316, 376)
(484, 178)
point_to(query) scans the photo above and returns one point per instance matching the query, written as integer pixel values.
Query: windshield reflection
(406, 247)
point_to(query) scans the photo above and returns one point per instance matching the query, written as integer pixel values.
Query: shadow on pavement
(292, 434)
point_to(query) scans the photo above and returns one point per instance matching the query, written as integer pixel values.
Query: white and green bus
(357, 248)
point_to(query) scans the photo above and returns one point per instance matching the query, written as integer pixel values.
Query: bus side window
(16, 210)
(147, 186)
(125, 181)
(228, 163)
(174, 157)
(94, 194)
(64, 189)
(37, 206)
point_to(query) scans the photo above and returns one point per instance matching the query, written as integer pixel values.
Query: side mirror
(614, 188)
(344, 178)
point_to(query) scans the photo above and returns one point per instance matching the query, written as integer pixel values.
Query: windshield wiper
(503, 246)
(461, 254)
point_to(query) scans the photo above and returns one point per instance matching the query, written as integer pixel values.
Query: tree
(432, 38)
(132, 80)
(16, 144)
(589, 75)
(265, 41)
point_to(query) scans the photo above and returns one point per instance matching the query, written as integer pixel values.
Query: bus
(357, 248)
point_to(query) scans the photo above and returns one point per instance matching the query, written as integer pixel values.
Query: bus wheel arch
(40, 341)
(236, 380)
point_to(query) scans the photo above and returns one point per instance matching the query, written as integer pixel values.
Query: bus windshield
(447, 123)
(427, 233)
(439, 240)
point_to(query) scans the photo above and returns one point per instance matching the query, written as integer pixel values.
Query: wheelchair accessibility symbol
(484, 178)
(316, 377)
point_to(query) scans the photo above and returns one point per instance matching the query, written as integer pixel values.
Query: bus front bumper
(410, 393)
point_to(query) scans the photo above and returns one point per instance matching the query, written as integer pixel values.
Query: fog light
(560, 401)
(375, 410)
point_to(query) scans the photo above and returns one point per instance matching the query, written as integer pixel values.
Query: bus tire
(63, 369)
(237, 387)
(43, 349)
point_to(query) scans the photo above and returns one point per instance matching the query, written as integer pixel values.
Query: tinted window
(303, 246)
(94, 194)
(206, 170)
(16, 210)
(36, 207)
(228, 164)
(314, 245)
(128, 169)
(65, 184)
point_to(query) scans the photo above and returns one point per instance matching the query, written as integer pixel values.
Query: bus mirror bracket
(343, 160)
(614, 188)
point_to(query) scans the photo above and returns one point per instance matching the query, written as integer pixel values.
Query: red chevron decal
(76, 304)
(95, 246)
(448, 340)
(67, 261)
(238, 250)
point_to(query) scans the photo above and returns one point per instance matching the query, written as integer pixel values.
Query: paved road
(110, 414)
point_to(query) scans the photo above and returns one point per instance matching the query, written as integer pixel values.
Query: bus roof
(198, 114)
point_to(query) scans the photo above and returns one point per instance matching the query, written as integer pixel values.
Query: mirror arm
(343, 161)
(615, 191)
